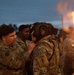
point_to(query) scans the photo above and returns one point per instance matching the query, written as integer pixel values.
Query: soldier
(45, 56)
(23, 35)
(22, 40)
(68, 53)
(12, 56)
(61, 37)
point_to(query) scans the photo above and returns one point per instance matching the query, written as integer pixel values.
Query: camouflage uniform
(61, 52)
(68, 56)
(12, 59)
(45, 58)
(24, 44)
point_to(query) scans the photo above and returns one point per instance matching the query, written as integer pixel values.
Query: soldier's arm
(11, 61)
(42, 61)
(30, 49)
(15, 59)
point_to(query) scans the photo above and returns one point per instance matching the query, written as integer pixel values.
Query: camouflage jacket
(68, 56)
(12, 59)
(46, 58)
(24, 44)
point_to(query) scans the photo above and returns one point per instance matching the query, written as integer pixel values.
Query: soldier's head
(24, 31)
(7, 34)
(41, 30)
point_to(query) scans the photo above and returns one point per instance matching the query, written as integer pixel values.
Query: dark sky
(29, 11)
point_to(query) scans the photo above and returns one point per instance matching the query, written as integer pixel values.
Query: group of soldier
(36, 50)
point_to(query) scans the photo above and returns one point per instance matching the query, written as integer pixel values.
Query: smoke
(65, 6)
(66, 9)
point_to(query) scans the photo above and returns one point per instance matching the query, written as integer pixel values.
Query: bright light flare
(73, 17)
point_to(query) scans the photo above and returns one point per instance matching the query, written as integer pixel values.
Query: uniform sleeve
(41, 60)
(26, 56)
(13, 59)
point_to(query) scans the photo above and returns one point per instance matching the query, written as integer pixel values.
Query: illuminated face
(9, 39)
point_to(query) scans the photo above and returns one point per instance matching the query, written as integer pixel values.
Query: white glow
(73, 17)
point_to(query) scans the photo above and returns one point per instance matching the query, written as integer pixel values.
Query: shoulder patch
(38, 53)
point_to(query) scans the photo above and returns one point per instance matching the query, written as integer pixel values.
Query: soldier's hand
(31, 47)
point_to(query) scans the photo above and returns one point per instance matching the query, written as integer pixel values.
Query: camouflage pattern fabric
(68, 56)
(61, 53)
(12, 59)
(46, 58)
(24, 44)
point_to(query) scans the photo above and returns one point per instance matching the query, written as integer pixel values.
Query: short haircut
(5, 30)
(22, 27)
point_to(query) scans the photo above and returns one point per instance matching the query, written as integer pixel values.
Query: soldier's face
(25, 33)
(10, 38)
